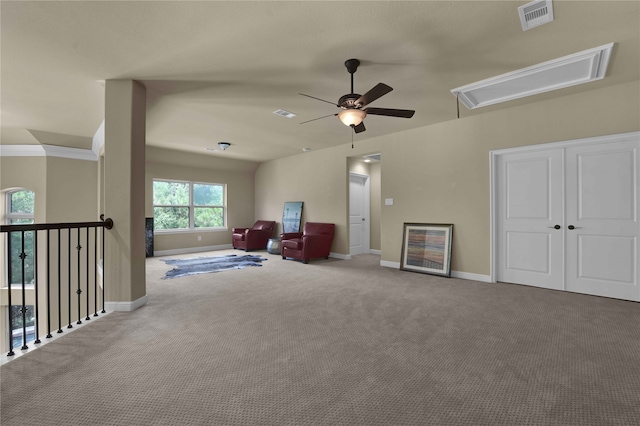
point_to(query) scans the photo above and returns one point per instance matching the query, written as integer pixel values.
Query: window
(188, 205)
(20, 209)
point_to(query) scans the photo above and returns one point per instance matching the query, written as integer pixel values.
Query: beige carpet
(337, 343)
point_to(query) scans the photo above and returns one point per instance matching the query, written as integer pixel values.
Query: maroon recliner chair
(313, 242)
(254, 238)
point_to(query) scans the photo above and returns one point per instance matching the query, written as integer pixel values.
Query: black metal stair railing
(73, 232)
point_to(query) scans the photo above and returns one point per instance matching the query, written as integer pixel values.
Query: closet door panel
(602, 187)
(529, 208)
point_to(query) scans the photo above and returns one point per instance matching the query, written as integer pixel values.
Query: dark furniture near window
(254, 238)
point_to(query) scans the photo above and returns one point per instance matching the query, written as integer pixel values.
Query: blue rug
(204, 265)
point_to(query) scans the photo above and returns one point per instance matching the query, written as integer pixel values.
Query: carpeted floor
(337, 343)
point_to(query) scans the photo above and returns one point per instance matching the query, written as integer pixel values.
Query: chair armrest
(290, 235)
(238, 230)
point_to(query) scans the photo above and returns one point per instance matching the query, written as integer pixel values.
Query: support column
(124, 163)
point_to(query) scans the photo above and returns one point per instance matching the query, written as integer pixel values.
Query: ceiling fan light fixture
(352, 117)
(224, 145)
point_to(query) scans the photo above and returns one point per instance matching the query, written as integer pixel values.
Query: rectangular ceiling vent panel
(284, 113)
(535, 14)
(582, 67)
(373, 157)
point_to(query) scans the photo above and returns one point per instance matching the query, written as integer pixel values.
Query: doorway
(359, 214)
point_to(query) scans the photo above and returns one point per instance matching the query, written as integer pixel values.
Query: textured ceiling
(216, 71)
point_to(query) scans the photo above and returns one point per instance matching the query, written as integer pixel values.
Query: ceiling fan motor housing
(349, 101)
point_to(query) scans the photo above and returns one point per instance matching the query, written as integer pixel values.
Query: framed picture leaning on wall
(426, 248)
(291, 216)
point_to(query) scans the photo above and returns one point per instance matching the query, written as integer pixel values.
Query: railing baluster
(59, 283)
(95, 271)
(35, 288)
(79, 291)
(49, 336)
(87, 280)
(9, 276)
(104, 256)
(23, 309)
(69, 278)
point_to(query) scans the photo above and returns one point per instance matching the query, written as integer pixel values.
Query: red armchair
(313, 242)
(254, 238)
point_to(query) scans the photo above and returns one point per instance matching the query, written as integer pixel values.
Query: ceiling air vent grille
(285, 113)
(535, 14)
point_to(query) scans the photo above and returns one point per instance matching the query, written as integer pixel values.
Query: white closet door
(603, 184)
(530, 207)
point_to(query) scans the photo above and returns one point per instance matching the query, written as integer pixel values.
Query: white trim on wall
(191, 250)
(47, 151)
(22, 151)
(126, 306)
(454, 274)
(58, 151)
(340, 256)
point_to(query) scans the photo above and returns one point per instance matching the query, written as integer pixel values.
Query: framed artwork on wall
(426, 248)
(291, 216)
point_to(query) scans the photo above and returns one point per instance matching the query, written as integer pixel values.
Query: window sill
(189, 231)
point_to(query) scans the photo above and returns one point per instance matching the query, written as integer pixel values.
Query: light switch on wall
(388, 201)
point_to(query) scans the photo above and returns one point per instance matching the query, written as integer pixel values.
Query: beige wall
(72, 188)
(237, 175)
(440, 173)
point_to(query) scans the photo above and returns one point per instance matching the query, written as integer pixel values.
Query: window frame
(9, 216)
(192, 207)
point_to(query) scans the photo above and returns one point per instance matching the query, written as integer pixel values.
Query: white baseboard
(387, 264)
(340, 256)
(378, 252)
(454, 274)
(470, 276)
(126, 306)
(191, 250)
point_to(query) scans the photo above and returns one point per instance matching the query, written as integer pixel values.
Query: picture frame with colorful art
(426, 248)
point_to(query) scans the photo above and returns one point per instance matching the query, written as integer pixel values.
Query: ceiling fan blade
(379, 90)
(359, 128)
(314, 119)
(318, 99)
(390, 112)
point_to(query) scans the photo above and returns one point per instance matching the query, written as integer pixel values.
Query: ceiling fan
(353, 105)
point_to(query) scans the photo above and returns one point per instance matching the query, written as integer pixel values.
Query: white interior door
(566, 216)
(530, 214)
(602, 194)
(358, 214)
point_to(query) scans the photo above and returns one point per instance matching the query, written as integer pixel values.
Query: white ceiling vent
(535, 14)
(373, 157)
(284, 113)
(582, 67)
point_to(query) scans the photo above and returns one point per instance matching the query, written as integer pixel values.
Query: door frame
(493, 181)
(366, 208)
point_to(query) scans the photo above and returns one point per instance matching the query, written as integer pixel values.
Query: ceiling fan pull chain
(353, 130)
(458, 104)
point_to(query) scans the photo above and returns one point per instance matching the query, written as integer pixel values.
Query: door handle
(573, 227)
(555, 227)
